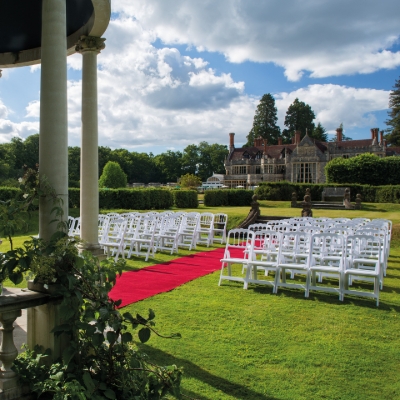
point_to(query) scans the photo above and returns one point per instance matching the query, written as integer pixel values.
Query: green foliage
(101, 360)
(170, 165)
(264, 123)
(185, 198)
(393, 137)
(15, 210)
(113, 176)
(319, 133)
(189, 181)
(232, 197)
(282, 191)
(365, 169)
(299, 117)
(128, 199)
(204, 159)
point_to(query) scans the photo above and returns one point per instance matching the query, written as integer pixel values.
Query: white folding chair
(238, 243)
(113, 239)
(187, 230)
(166, 238)
(263, 256)
(219, 229)
(363, 260)
(141, 243)
(204, 230)
(327, 260)
(294, 257)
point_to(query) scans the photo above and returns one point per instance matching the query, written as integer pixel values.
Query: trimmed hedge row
(185, 198)
(128, 199)
(224, 197)
(367, 169)
(7, 193)
(282, 191)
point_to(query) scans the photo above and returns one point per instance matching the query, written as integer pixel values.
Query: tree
(211, 159)
(264, 123)
(299, 117)
(190, 159)
(393, 136)
(31, 150)
(170, 165)
(319, 133)
(74, 166)
(113, 176)
(190, 181)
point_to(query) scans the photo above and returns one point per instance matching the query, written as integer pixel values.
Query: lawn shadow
(332, 298)
(190, 369)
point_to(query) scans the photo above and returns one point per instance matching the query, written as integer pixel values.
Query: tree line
(202, 160)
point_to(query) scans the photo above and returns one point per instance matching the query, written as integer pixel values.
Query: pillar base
(95, 249)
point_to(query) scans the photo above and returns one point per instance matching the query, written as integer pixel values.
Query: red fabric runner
(138, 285)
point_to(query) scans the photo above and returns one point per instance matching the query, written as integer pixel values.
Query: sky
(178, 72)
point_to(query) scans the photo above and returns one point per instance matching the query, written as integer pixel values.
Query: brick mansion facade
(302, 161)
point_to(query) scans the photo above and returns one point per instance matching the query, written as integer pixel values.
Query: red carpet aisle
(134, 286)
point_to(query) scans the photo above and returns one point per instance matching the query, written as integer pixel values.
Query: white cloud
(335, 104)
(9, 129)
(3, 110)
(327, 38)
(158, 97)
(33, 109)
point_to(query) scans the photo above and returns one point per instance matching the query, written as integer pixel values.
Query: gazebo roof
(21, 24)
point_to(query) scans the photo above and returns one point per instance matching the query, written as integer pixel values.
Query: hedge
(7, 193)
(367, 169)
(224, 197)
(185, 198)
(128, 199)
(282, 191)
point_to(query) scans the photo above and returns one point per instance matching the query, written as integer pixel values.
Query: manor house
(302, 161)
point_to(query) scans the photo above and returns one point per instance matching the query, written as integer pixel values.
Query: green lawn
(252, 344)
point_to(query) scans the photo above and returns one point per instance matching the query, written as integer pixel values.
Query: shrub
(189, 181)
(128, 199)
(113, 176)
(365, 169)
(185, 199)
(233, 197)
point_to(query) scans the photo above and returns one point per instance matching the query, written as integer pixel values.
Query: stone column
(53, 139)
(89, 47)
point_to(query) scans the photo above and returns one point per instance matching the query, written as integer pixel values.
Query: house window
(305, 172)
(269, 169)
(240, 170)
(258, 170)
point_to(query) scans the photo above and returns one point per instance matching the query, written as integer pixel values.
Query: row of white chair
(359, 257)
(146, 233)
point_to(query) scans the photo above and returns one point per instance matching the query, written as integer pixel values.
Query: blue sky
(177, 72)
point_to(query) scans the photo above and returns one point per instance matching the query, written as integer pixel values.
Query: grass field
(252, 344)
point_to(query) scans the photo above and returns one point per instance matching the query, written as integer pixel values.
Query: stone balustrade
(10, 309)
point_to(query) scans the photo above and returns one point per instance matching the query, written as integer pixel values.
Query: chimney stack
(372, 133)
(381, 141)
(265, 144)
(339, 134)
(297, 135)
(231, 142)
(279, 141)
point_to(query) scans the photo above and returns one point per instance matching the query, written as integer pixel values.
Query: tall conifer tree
(393, 137)
(264, 123)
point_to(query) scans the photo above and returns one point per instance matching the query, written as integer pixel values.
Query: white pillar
(89, 47)
(53, 139)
